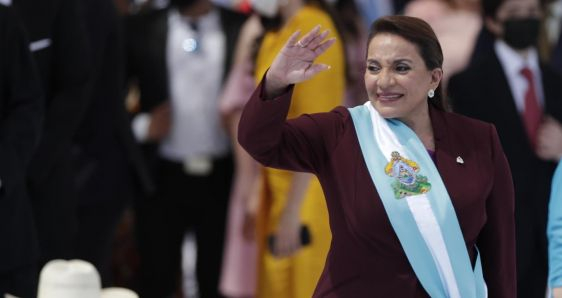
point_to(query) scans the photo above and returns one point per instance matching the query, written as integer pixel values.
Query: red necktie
(533, 112)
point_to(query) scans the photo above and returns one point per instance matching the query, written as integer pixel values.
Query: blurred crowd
(118, 125)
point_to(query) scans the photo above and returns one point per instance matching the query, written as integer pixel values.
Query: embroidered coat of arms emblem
(407, 180)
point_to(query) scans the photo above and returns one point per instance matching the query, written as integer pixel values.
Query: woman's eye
(373, 68)
(402, 68)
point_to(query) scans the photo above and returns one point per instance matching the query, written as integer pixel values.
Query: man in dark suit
(511, 89)
(59, 48)
(106, 156)
(179, 58)
(20, 122)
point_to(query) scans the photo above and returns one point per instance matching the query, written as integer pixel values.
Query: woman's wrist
(273, 87)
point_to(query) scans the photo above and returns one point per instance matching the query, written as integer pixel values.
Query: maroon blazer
(365, 257)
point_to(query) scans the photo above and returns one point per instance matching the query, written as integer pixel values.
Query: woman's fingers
(295, 63)
(313, 44)
(315, 69)
(292, 39)
(324, 46)
(308, 37)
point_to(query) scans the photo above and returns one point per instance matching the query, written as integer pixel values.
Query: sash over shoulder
(418, 206)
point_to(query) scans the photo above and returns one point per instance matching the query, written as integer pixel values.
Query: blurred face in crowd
(397, 79)
(517, 22)
(518, 9)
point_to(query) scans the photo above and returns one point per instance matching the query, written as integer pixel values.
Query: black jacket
(482, 91)
(21, 113)
(64, 67)
(105, 152)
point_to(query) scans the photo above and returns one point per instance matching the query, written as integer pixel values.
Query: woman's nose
(385, 79)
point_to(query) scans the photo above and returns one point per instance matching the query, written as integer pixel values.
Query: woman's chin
(386, 111)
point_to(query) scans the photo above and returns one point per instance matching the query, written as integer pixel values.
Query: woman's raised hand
(295, 61)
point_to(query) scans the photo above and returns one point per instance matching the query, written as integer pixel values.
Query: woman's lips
(387, 96)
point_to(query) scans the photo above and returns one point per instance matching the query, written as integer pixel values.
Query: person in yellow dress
(289, 200)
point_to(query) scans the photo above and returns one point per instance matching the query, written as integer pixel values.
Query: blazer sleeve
(497, 238)
(302, 144)
(22, 105)
(554, 231)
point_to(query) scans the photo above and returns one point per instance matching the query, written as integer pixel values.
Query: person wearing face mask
(179, 58)
(420, 199)
(512, 89)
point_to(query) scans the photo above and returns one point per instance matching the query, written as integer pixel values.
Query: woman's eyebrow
(371, 60)
(402, 60)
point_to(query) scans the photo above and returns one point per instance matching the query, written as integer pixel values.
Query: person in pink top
(238, 275)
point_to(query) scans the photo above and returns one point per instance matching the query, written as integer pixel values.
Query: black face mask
(521, 33)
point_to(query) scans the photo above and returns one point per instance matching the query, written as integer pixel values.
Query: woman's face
(397, 79)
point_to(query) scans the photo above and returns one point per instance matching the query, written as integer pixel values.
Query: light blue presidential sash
(418, 206)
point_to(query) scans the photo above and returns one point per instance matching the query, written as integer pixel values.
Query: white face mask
(267, 8)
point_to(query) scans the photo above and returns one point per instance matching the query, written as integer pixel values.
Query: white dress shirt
(512, 63)
(195, 56)
(195, 59)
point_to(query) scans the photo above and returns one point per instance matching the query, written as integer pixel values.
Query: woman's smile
(388, 97)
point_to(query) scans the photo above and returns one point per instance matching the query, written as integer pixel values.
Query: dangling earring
(431, 93)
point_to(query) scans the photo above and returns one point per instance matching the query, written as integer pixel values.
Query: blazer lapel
(502, 109)
(453, 158)
(445, 153)
(503, 101)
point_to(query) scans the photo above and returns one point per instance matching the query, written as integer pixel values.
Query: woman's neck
(420, 123)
